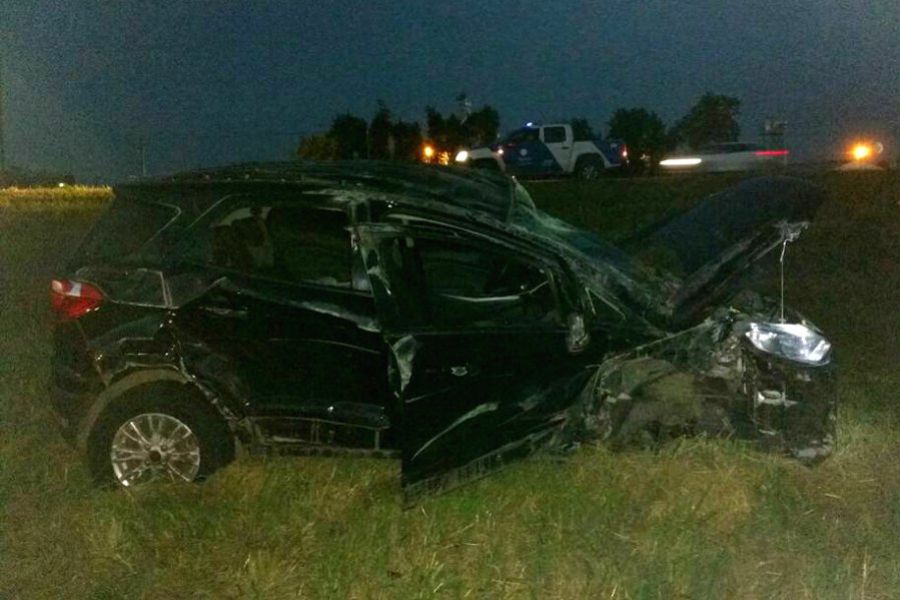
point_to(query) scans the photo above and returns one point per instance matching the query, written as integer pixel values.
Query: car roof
(409, 183)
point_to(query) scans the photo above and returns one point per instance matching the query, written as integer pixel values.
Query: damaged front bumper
(710, 380)
(793, 407)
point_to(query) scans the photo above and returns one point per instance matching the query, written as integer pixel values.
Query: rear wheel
(163, 432)
(589, 168)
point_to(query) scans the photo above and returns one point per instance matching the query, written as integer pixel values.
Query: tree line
(712, 119)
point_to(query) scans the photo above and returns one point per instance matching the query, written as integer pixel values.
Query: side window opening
(523, 135)
(241, 241)
(466, 285)
(280, 241)
(554, 135)
(311, 246)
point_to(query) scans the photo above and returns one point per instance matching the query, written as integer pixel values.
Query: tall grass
(75, 197)
(698, 519)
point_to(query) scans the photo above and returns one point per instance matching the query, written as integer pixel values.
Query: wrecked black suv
(431, 314)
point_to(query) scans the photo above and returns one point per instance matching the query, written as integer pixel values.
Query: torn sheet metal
(710, 381)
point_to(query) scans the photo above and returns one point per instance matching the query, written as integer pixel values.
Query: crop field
(696, 519)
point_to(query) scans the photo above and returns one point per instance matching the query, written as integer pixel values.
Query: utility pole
(143, 150)
(2, 147)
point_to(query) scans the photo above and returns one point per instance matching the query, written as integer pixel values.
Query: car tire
(589, 168)
(165, 431)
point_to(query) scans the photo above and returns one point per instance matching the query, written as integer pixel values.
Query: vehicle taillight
(772, 153)
(73, 299)
(624, 151)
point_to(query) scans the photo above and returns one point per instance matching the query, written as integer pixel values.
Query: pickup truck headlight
(793, 341)
(462, 156)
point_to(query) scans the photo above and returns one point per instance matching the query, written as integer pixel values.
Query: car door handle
(459, 370)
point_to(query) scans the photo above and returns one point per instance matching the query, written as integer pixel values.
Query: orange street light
(861, 152)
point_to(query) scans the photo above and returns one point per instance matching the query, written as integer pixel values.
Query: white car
(731, 156)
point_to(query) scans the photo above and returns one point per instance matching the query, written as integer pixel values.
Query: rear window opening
(124, 229)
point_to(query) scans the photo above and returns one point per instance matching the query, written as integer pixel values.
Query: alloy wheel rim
(154, 446)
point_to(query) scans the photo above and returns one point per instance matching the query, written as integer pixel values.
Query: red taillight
(73, 299)
(772, 153)
(624, 151)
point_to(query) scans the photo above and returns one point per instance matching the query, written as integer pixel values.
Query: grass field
(698, 519)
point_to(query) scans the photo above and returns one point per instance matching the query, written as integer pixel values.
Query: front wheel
(589, 168)
(158, 433)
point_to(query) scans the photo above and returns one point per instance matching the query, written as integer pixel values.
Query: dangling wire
(781, 268)
(789, 232)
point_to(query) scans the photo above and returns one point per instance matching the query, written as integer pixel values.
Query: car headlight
(792, 341)
(680, 162)
(462, 156)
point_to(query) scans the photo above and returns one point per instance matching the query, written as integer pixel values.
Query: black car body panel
(483, 371)
(436, 313)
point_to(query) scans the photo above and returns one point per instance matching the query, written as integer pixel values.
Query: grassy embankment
(698, 519)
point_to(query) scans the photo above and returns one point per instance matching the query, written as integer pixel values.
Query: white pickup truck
(546, 151)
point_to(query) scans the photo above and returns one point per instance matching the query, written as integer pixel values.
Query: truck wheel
(158, 432)
(589, 168)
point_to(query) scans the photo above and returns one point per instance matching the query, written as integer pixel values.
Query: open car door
(482, 363)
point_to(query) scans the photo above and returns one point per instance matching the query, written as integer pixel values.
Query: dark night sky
(214, 82)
